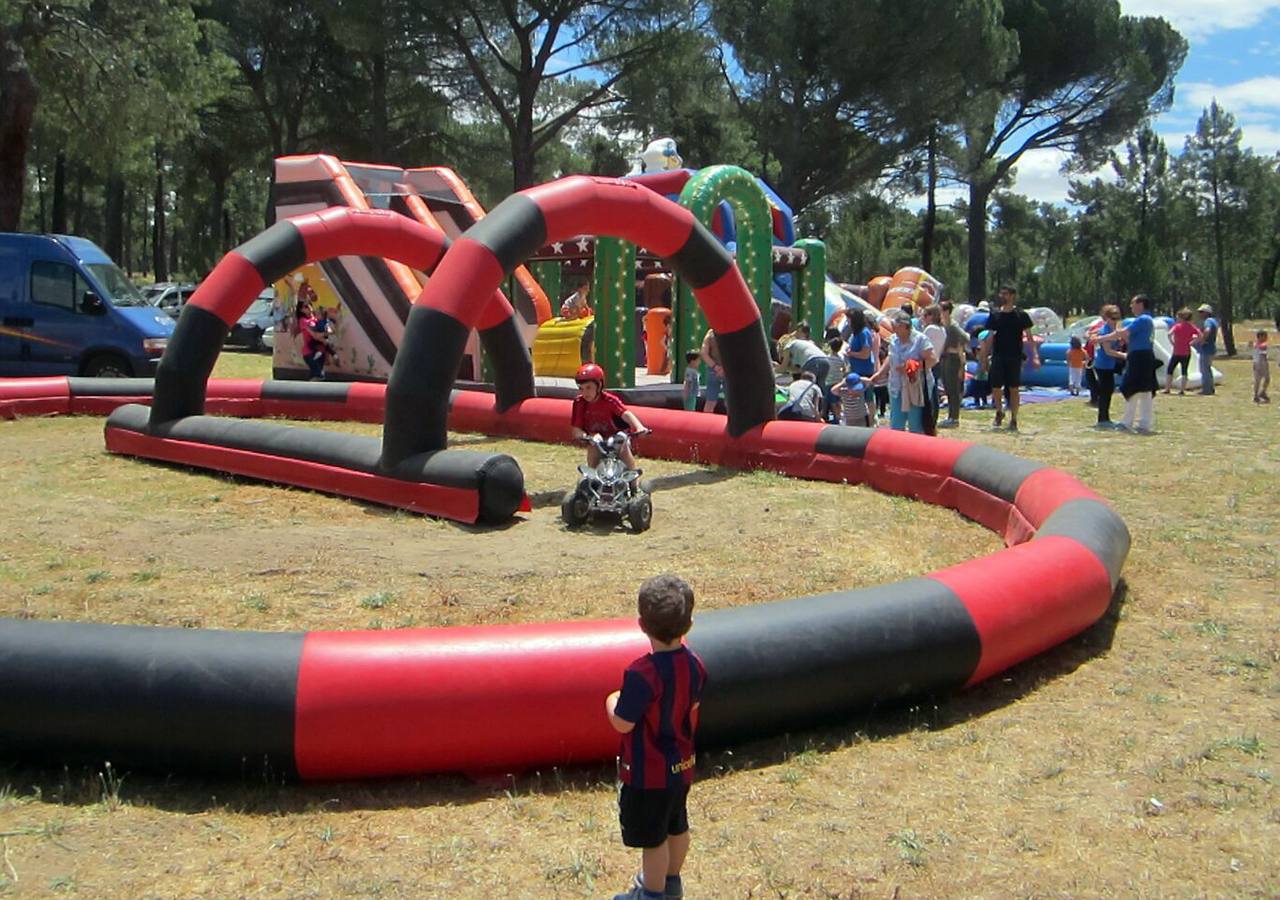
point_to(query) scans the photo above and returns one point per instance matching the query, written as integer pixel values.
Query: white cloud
(1255, 94)
(1039, 177)
(1197, 19)
(1264, 139)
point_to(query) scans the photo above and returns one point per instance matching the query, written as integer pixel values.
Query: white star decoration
(582, 244)
(557, 247)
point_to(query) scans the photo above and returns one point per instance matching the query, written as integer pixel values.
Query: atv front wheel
(640, 512)
(574, 508)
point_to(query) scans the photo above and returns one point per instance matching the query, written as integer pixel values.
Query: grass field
(1138, 759)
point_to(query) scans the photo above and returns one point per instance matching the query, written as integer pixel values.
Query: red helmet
(589, 372)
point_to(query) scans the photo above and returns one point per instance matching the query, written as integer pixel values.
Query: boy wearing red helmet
(596, 411)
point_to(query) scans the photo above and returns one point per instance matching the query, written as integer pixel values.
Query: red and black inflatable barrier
(354, 704)
(464, 486)
(366, 704)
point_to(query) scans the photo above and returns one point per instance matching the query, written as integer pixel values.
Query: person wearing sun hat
(1207, 344)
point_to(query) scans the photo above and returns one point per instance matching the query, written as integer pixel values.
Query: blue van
(67, 309)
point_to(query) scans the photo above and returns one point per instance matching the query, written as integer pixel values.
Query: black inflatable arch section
(239, 276)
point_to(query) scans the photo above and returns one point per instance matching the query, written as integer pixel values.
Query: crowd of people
(903, 381)
(910, 379)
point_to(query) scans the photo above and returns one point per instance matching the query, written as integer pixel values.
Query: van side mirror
(92, 304)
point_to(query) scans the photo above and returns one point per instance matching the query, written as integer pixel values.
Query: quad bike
(608, 487)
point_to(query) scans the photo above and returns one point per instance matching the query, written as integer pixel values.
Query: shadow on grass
(86, 785)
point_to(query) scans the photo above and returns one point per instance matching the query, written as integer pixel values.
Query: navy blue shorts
(649, 817)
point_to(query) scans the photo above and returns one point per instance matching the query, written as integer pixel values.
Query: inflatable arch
(367, 704)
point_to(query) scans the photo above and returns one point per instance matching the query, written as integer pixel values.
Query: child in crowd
(980, 385)
(1182, 335)
(596, 411)
(1075, 366)
(881, 384)
(327, 321)
(852, 393)
(656, 712)
(1261, 374)
(805, 402)
(692, 380)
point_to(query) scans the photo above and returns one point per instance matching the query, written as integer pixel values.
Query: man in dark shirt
(1009, 329)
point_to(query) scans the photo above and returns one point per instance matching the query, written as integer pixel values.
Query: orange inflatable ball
(876, 289)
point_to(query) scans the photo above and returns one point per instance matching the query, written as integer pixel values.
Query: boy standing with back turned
(657, 713)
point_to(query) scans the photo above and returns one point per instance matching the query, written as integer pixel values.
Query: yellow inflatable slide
(562, 345)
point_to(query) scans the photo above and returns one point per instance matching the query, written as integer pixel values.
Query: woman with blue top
(1107, 360)
(861, 353)
(909, 362)
(1139, 384)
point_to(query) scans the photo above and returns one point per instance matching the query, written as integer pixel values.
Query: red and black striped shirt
(660, 694)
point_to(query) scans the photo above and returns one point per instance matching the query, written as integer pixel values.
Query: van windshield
(120, 290)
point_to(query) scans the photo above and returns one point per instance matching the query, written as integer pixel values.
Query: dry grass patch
(1138, 759)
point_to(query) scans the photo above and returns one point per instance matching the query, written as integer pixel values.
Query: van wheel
(107, 365)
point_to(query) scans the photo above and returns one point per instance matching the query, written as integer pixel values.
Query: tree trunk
(1225, 312)
(523, 162)
(158, 260)
(379, 111)
(77, 212)
(978, 196)
(143, 255)
(40, 193)
(113, 227)
(218, 213)
(126, 258)
(931, 207)
(18, 97)
(58, 225)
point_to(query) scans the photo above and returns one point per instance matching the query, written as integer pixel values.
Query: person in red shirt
(656, 712)
(1181, 335)
(597, 411)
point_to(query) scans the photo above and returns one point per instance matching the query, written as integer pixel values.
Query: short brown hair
(666, 607)
(933, 311)
(946, 306)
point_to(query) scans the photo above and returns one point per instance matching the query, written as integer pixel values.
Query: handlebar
(599, 438)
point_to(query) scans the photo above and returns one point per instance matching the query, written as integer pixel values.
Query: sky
(1233, 56)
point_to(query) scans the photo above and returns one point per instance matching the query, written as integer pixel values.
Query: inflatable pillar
(809, 299)
(613, 290)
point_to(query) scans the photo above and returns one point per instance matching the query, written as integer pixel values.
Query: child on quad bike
(597, 411)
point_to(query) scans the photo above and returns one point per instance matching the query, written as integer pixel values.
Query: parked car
(67, 309)
(248, 331)
(169, 296)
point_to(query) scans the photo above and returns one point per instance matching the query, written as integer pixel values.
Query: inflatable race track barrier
(330, 705)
